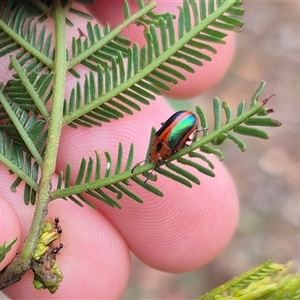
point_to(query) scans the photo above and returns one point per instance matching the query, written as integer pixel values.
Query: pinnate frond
(102, 182)
(27, 129)
(31, 91)
(18, 31)
(108, 183)
(21, 164)
(149, 70)
(113, 89)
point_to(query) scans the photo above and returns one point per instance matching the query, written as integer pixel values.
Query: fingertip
(185, 229)
(112, 13)
(94, 260)
(180, 232)
(207, 75)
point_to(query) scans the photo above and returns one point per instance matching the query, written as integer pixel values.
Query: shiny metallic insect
(180, 128)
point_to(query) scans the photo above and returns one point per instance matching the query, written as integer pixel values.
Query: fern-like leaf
(31, 91)
(221, 131)
(27, 129)
(109, 183)
(120, 89)
(112, 89)
(99, 187)
(21, 164)
(18, 31)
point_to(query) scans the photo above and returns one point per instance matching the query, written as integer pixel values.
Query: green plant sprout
(34, 110)
(266, 281)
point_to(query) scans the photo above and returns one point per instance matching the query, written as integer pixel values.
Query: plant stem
(54, 132)
(22, 263)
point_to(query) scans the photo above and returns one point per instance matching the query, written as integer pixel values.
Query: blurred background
(267, 175)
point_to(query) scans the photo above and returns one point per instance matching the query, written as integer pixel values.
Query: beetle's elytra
(173, 135)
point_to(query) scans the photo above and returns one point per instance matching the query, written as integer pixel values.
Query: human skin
(179, 232)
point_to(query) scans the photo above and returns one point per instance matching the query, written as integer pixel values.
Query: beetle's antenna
(150, 174)
(204, 129)
(132, 170)
(195, 133)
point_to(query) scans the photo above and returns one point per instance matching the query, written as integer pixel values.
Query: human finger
(209, 210)
(94, 255)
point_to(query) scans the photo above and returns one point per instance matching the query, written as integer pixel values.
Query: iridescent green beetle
(173, 135)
